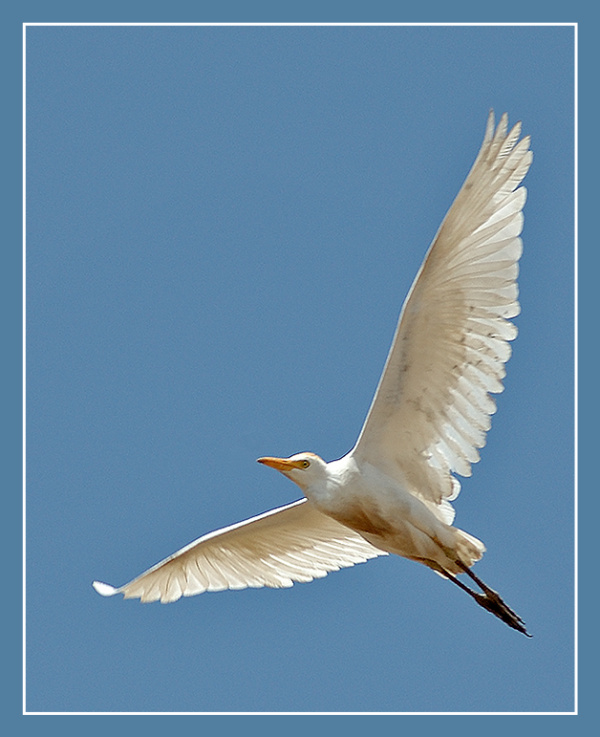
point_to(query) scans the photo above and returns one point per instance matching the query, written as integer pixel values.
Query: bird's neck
(327, 492)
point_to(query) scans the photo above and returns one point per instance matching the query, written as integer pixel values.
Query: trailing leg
(489, 600)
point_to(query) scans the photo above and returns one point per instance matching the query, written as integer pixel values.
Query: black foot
(491, 601)
(494, 604)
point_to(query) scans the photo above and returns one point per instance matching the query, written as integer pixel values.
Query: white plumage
(429, 417)
(277, 548)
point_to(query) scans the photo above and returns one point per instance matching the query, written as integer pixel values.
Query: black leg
(489, 600)
(475, 578)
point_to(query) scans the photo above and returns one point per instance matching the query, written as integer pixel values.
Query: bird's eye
(305, 464)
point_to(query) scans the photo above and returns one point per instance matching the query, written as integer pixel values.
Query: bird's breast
(363, 517)
(381, 509)
(363, 499)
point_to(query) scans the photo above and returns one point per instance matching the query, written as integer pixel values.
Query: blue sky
(222, 224)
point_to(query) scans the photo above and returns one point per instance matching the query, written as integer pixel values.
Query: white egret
(391, 493)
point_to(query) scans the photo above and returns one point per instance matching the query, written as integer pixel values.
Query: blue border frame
(137, 11)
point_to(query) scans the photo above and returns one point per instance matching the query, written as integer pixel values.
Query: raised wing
(432, 407)
(277, 548)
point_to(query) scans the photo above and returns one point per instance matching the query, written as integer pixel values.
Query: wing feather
(294, 543)
(432, 407)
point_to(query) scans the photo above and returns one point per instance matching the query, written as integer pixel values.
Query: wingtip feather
(104, 589)
(489, 127)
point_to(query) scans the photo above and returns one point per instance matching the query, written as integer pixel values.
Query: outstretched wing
(277, 548)
(432, 407)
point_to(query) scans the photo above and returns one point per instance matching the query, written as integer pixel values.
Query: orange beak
(280, 464)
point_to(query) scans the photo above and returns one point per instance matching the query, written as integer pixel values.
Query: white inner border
(575, 388)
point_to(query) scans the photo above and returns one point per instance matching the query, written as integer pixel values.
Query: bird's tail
(466, 548)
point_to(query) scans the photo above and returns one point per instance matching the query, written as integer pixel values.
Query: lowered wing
(290, 544)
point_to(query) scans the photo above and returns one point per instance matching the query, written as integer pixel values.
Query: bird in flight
(391, 493)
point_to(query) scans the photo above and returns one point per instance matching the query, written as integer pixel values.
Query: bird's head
(304, 469)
